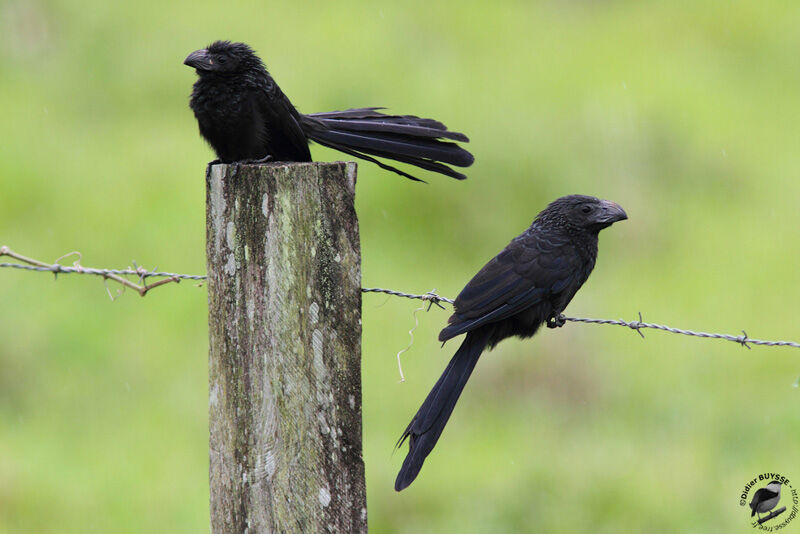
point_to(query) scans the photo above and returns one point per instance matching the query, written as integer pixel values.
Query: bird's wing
(533, 267)
(759, 496)
(278, 111)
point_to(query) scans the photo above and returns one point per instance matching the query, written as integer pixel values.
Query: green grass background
(686, 113)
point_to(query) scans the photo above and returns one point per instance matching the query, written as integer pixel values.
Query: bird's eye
(221, 59)
(586, 209)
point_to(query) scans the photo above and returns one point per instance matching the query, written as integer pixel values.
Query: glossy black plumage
(530, 282)
(245, 116)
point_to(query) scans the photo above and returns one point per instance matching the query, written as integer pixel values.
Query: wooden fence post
(284, 316)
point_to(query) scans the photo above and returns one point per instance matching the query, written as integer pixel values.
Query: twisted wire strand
(430, 297)
(744, 340)
(115, 275)
(64, 269)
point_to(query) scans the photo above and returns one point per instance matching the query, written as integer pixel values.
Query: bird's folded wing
(529, 270)
(278, 111)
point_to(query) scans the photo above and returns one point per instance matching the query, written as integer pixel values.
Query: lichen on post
(284, 286)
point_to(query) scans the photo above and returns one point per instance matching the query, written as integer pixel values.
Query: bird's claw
(258, 161)
(237, 165)
(557, 321)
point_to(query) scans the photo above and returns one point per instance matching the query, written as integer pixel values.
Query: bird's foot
(258, 161)
(557, 321)
(237, 165)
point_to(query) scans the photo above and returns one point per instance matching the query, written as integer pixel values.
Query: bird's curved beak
(612, 212)
(199, 59)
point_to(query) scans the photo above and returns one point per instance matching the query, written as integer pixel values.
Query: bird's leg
(556, 321)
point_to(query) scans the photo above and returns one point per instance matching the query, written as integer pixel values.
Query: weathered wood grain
(284, 286)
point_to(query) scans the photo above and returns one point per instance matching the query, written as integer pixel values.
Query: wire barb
(637, 325)
(430, 296)
(743, 340)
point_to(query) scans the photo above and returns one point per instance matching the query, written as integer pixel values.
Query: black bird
(245, 117)
(530, 282)
(765, 499)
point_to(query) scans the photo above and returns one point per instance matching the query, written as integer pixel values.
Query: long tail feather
(408, 139)
(425, 428)
(342, 148)
(418, 162)
(401, 145)
(427, 164)
(370, 114)
(393, 126)
(354, 113)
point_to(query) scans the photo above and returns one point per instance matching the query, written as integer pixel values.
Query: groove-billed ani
(245, 116)
(530, 282)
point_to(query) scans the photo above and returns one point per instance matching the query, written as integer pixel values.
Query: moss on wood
(284, 292)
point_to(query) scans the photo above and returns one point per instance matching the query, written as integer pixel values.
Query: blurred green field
(686, 113)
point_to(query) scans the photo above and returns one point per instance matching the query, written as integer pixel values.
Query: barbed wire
(116, 275)
(430, 297)
(744, 340)
(140, 272)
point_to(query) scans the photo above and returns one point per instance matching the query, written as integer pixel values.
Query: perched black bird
(531, 281)
(765, 499)
(245, 116)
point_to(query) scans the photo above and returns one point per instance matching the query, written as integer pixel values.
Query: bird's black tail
(425, 428)
(365, 133)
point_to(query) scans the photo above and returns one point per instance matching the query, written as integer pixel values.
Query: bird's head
(583, 212)
(774, 486)
(224, 58)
